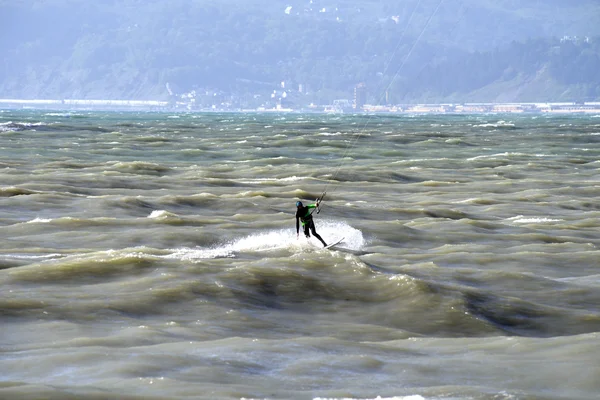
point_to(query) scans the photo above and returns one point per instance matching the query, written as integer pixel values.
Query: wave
(254, 181)
(89, 267)
(39, 220)
(520, 219)
(499, 124)
(274, 270)
(283, 239)
(156, 216)
(25, 256)
(11, 126)
(20, 126)
(526, 318)
(162, 214)
(140, 168)
(204, 199)
(73, 222)
(506, 155)
(15, 191)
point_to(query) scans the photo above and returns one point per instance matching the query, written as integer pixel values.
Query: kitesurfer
(304, 216)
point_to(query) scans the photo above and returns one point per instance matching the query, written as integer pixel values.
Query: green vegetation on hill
(411, 51)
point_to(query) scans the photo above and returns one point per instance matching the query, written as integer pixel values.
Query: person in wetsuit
(304, 216)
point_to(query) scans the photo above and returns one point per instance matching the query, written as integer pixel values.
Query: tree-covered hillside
(414, 50)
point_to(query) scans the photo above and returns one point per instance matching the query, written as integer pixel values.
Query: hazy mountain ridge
(415, 50)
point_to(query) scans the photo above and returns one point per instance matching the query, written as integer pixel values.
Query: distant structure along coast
(338, 106)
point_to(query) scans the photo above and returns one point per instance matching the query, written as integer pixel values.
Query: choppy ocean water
(148, 255)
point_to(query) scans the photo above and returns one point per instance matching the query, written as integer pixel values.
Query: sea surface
(155, 256)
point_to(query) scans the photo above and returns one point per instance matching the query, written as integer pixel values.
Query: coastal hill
(256, 52)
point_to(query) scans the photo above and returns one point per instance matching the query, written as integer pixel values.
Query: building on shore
(293, 105)
(360, 96)
(86, 104)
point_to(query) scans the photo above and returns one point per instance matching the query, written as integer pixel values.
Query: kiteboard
(330, 245)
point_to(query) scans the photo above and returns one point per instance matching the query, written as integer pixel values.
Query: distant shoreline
(426, 108)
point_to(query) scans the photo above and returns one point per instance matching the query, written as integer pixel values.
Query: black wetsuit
(304, 215)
